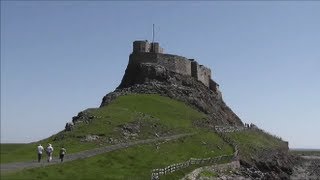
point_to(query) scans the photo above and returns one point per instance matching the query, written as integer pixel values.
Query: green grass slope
(158, 114)
(132, 163)
(155, 115)
(253, 142)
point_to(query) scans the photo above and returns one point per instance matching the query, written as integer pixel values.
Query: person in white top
(40, 149)
(49, 150)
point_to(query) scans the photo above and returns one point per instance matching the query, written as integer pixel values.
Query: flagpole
(153, 33)
(153, 38)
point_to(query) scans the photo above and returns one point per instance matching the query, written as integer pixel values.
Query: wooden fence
(156, 173)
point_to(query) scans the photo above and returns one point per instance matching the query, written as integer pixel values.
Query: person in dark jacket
(62, 153)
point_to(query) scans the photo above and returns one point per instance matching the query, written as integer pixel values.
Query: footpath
(10, 167)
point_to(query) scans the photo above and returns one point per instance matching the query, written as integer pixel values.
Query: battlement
(145, 46)
(145, 52)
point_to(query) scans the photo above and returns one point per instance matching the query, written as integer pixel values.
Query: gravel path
(84, 154)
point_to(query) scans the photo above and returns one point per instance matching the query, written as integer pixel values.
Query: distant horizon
(306, 149)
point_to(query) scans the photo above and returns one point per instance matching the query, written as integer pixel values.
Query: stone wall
(229, 129)
(204, 74)
(213, 86)
(194, 68)
(175, 63)
(135, 58)
(171, 62)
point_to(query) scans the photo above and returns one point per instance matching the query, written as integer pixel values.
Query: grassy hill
(158, 114)
(153, 113)
(130, 118)
(135, 162)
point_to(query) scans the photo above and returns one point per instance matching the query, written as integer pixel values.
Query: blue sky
(58, 58)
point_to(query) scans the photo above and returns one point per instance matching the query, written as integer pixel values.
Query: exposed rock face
(274, 164)
(148, 78)
(83, 117)
(90, 138)
(307, 167)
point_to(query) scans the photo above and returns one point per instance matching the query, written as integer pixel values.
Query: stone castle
(145, 52)
(151, 71)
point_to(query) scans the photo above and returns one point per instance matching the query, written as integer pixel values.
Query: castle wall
(143, 58)
(201, 73)
(213, 85)
(194, 69)
(175, 63)
(204, 74)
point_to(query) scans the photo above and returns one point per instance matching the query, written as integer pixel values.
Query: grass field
(168, 115)
(132, 163)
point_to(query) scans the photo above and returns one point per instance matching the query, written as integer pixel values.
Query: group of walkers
(49, 151)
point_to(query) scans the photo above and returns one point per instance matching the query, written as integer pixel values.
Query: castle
(145, 52)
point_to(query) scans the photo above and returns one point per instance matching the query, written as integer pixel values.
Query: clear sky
(59, 58)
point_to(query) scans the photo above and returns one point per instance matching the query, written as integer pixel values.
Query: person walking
(49, 150)
(62, 153)
(40, 149)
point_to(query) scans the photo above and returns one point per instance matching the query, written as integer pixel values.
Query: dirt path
(84, 154)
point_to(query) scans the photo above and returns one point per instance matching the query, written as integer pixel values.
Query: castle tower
(146, 47)
(155, 48)
(141, 46)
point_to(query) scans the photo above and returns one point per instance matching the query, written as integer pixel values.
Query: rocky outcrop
(306, 167)
(144, 78)
(274, 163)
(69, 126)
